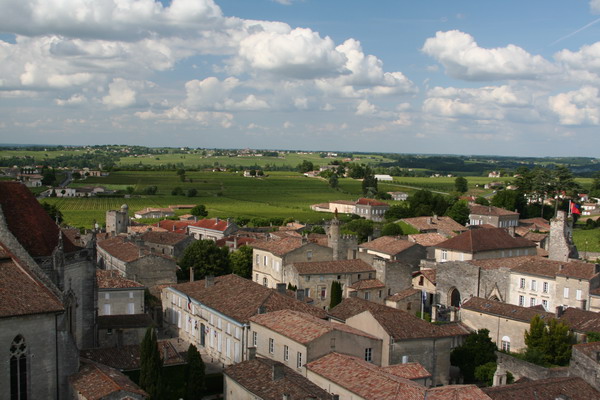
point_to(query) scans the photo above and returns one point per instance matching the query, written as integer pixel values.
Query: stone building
(560, 245)
(212, 229)
(117, 221)
(444, 226)
(495, 216)
(100, 382)
(585, 363)
(167, 243)
(117, 295)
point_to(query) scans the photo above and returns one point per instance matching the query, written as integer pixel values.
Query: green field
(587, 240)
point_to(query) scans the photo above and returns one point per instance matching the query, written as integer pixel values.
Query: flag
(423, 296)
(575, 208)
(189, 302)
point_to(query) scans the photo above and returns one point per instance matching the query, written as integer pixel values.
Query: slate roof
(477, 240)
(240, 298)
(365, 284)
(95, 381)
(21, 293)
(29, 222)
(300, 327)
(478, 209)
(399, 324)
(574, 388)
(111, 279)
(332, 267)
(446, 225)
(388, 245)
(124, 321)
(166, 238)
(256, 376)
(505, 310)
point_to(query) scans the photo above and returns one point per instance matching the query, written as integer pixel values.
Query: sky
(513, 78)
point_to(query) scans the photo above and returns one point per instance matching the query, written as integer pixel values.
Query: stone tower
(117, 221)
(560, 246)
(333, 237)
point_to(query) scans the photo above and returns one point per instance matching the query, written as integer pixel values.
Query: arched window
(18, 369)
(505, 343)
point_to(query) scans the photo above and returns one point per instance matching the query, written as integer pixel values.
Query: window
(307, 278)
(257, 259)
(534, 285)
(578, 294)
(228, 329)
(323, 292)
(237, 334)
(367, 295)
(131, 295)
(368, 354)
(321, 278)
(521, 301)
(309, 255)
(444, 255)
(339, 277)
(130, 308)
(545, 304)
(380, 293)
(286, 353)
(505, 343)
(358, 277)
(18, 368)
(254, 337)
(566, 293)
(265, 261)
(522, 283)
(106, 296)
(299, 360)
(545, 287)
(107, 309)
(421, 281)
(271, 345)
(228, 347)
(532, 302)
(265, 282)
(307, 292)
(256, 277)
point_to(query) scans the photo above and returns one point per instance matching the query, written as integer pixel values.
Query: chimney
(261, 310)
(277, 371)
(281, 288)
(300, 294)
(559, 311)
(251, 353)
(216, 220)
(191, 274)
(235, 244)
(429, 221)
(209, 280)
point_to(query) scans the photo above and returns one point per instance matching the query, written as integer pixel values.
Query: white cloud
(176, 114)
(595, 6)
(365, 108)
(121, 93)
(578, 107)
(464, 59)
(74, 100)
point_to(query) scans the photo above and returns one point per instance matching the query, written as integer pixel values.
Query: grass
(587, 240)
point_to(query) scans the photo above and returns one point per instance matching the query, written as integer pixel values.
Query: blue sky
(461, 77)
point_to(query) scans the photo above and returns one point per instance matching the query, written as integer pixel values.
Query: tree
(336, 294)
(241, 262)
(485, 373)
(194, 374)
(459, 212)
(534, 337)
(391, 229)
(199, 211)
(305, 166)
(333, 181)
(461, 185)
(482, 201)
(192, 192)
(151, 366)
(398, 211)
(548, 344)
(369, 183)
(362, 228)
(48, 178)
(206, 258)
(150, 190)
(509, 200)
(478, 349)
(53, 212)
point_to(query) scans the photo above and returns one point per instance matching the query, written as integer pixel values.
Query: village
(305, 315)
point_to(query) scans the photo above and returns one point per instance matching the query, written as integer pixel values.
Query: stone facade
(121, 301)
(585, 363)
(117, 221)
(560, 246)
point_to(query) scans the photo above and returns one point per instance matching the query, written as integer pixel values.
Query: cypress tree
(336, 294)
(194, 374)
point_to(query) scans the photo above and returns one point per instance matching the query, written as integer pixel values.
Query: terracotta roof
(505, 310)
(240, 298)
(370, 202)
(332, 267)
(536, 224)
(403, 294)
(214, 224)
(365, 284)
(478, 209)
(121, 249)
(579, 270)
(457, 392)
(573, 388)
(427, 239)
(346, 202)
(111, 279)
(535, 237)
(388, 245)
(29, 222)
(301, 327)
(428, 273)
(166, 238)
(124, 321)
(445, 225)
(581, 320)
(95, 381)
(74, 236)
(21, 293)
(411, 371)
(174, 226)
(550, 268)
(476, 240)
(127, 358)
(399, 324)
(365, 379)
(256, 376)
(280, 247)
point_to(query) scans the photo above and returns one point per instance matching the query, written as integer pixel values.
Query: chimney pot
(209, 280)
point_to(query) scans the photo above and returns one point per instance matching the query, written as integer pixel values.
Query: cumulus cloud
(175, 114)
(462, 57)
(122, 93)
(365, 108)
(578, 107)
(74, 100)
(595, 6)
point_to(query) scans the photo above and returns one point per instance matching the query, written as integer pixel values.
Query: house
(135, 262)
(30, 180)
(478, 244)
(371, 209)
(342, 206)
(122, 330)
(384, 178)
(316, 277)
(212, 229)
(95, 381)
(495, 216)
(572, 388)
(151, 212)
(406, 300)
(429, 241)
(399, 196)
(589, 208)
(266, 379)
(167, 243)
(118, 295)
(295, 338)
(214, 313)
(272, 257)
(507, 323)
(445, 226)
(406, 338)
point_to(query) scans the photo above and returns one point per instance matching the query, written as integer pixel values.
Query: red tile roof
(523, 314)
(428, 273)
(573, 388)
(174, 226)
(240, 298)
(332, 267)
(256, 376)
(127, 358)
(121, 249)
(589, 349)
(445, 225)
(457, 392)
(403, 294)
(427, 239)
(214, 224)
(550, 268)
(536, 224)
(581, 320)
(388, 245)
(370, 202)
(111, 279)
(166, 238)
(365, 284)
(95, 381)
(478, 240)
(29, 222)
(21, 293)
(300, 327)
(478, 209)
(410, 371)
(280, 247)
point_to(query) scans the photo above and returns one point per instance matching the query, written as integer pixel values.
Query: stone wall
(152, 270)
(585, 367)
(520, 368)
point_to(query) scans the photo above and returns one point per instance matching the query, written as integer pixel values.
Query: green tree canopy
(482, 201)
(461, 185)
(478, 349)
(369, 183)
(305, 166)
(398, 211)
(509, 199)
(205, 258)
(334, 181)
(194, 374)
(241, 262)
(548, 344)
(459, 212)
(362, 228)
(199, 210)
(391, 229)
(53, 212)
(336, 294)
